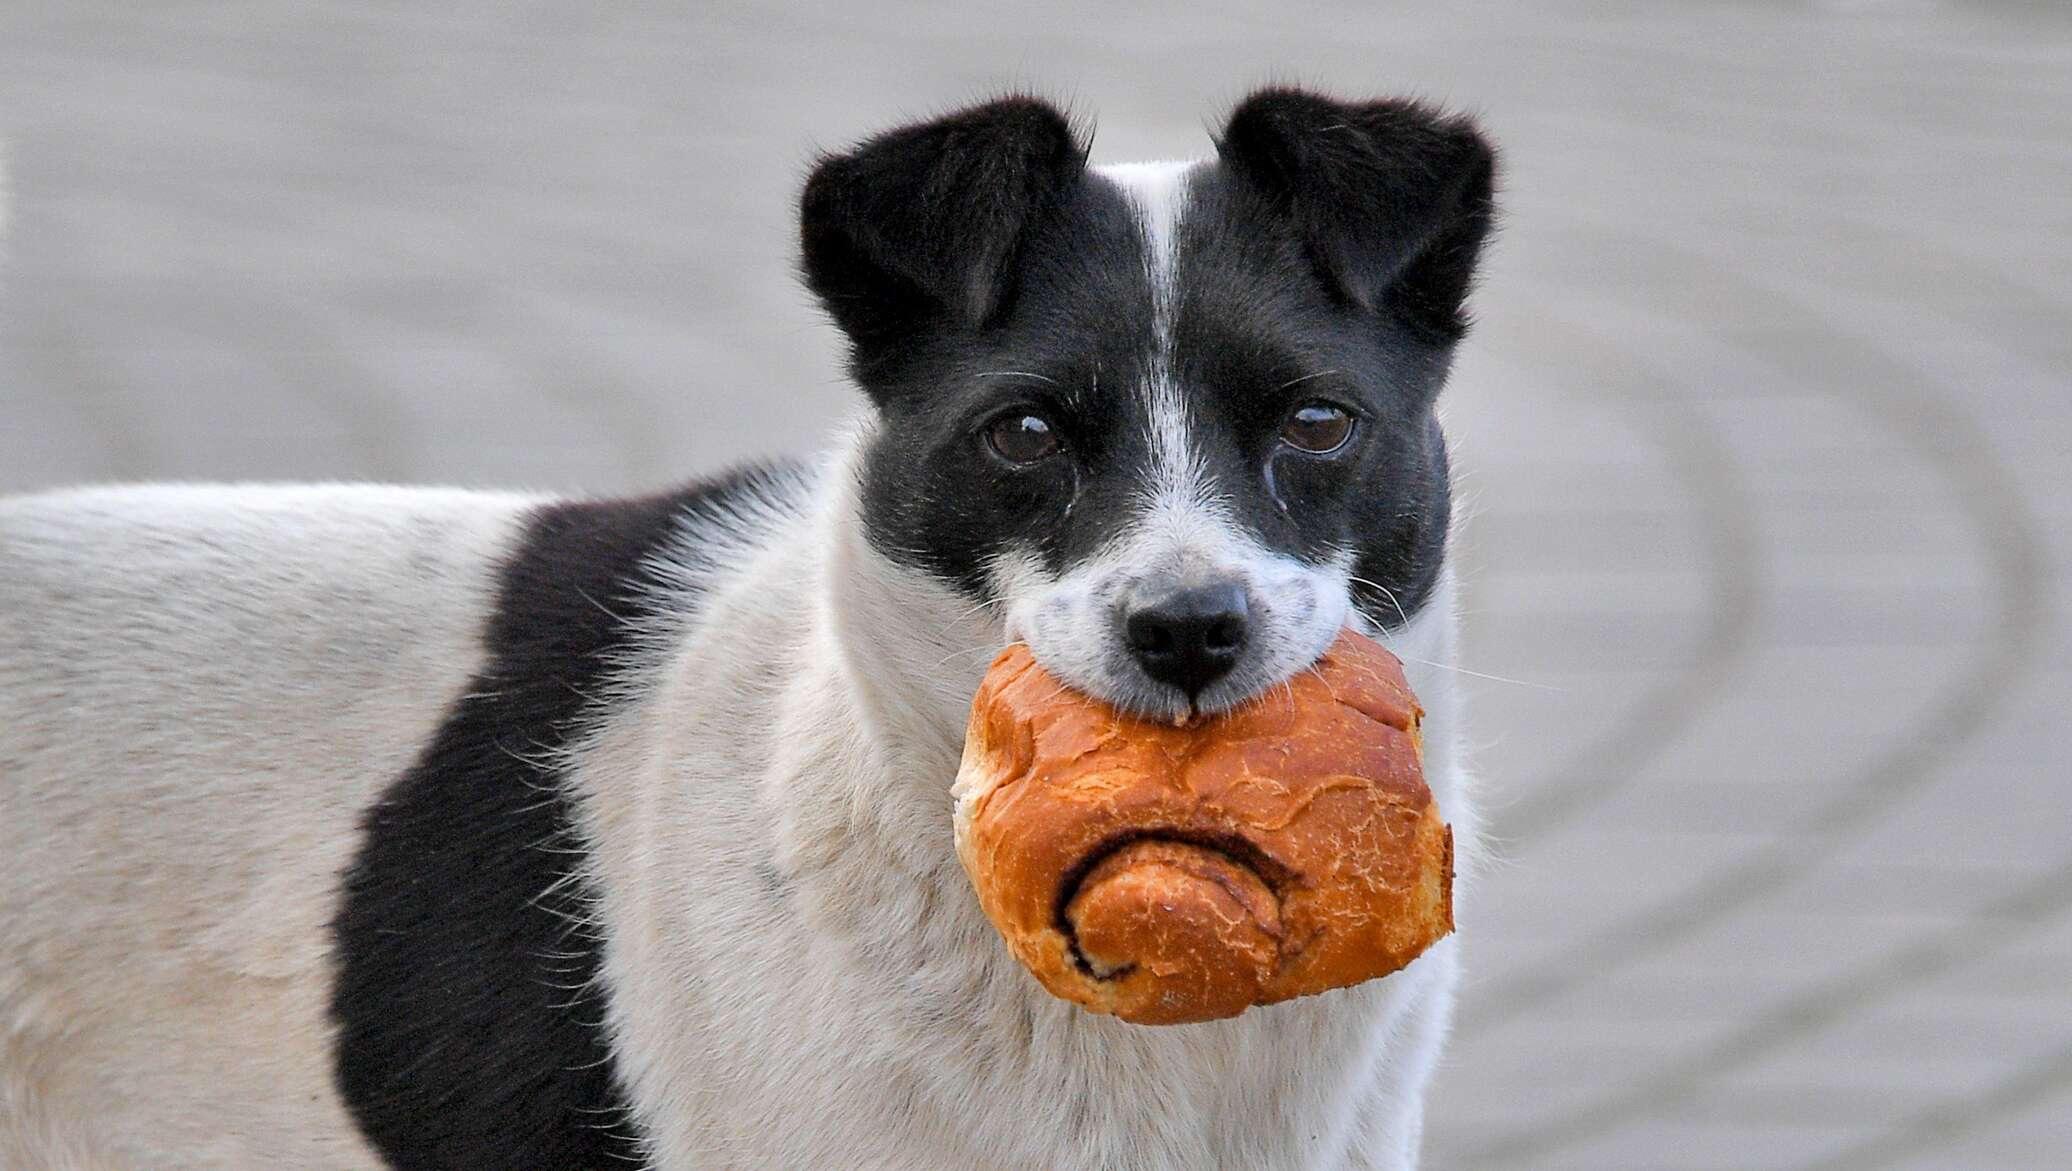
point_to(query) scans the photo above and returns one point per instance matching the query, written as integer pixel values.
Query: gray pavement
(1764, 432)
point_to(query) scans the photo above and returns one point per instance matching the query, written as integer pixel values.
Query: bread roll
(1173, 874)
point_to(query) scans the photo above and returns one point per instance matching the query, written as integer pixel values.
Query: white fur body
(205, 688)
(201, 689)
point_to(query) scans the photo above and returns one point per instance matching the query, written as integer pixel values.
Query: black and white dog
(370, 827)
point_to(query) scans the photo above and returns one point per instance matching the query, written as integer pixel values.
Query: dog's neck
(870, 727)
(911, 648)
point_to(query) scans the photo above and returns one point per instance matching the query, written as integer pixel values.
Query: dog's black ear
(1392, 198)
(919, 228)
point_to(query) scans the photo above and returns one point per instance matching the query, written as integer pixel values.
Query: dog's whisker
(1385, 592)
(967, 653)
(1292, 382)
(1460, 670)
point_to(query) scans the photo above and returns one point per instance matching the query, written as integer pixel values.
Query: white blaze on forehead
(1158, 194)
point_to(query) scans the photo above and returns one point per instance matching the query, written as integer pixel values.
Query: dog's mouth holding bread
(1169, 874)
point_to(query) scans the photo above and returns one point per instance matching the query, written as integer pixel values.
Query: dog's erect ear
(919, 228)
(1392, 198)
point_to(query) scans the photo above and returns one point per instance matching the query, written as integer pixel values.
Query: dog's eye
(1318, 428)
(1022, 438)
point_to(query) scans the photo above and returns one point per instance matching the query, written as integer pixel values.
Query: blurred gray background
(1763, 432)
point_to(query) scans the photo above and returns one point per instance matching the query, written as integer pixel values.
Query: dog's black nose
(1190, 638)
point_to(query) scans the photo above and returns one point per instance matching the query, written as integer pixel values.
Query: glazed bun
(1173, 874)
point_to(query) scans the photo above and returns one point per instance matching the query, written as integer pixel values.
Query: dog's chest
(810, 978)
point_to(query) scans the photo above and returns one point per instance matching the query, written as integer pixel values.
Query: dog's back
(201, 689)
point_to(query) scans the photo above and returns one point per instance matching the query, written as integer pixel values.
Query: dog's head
(1175, 420)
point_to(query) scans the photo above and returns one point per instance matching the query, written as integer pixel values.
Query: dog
(351, 826)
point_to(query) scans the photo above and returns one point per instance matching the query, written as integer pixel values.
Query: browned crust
(1313, 795)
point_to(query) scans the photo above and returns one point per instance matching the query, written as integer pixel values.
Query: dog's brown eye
(1022, 438)
(1317, 428)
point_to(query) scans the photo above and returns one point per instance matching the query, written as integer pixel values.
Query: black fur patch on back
(470, 1032)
